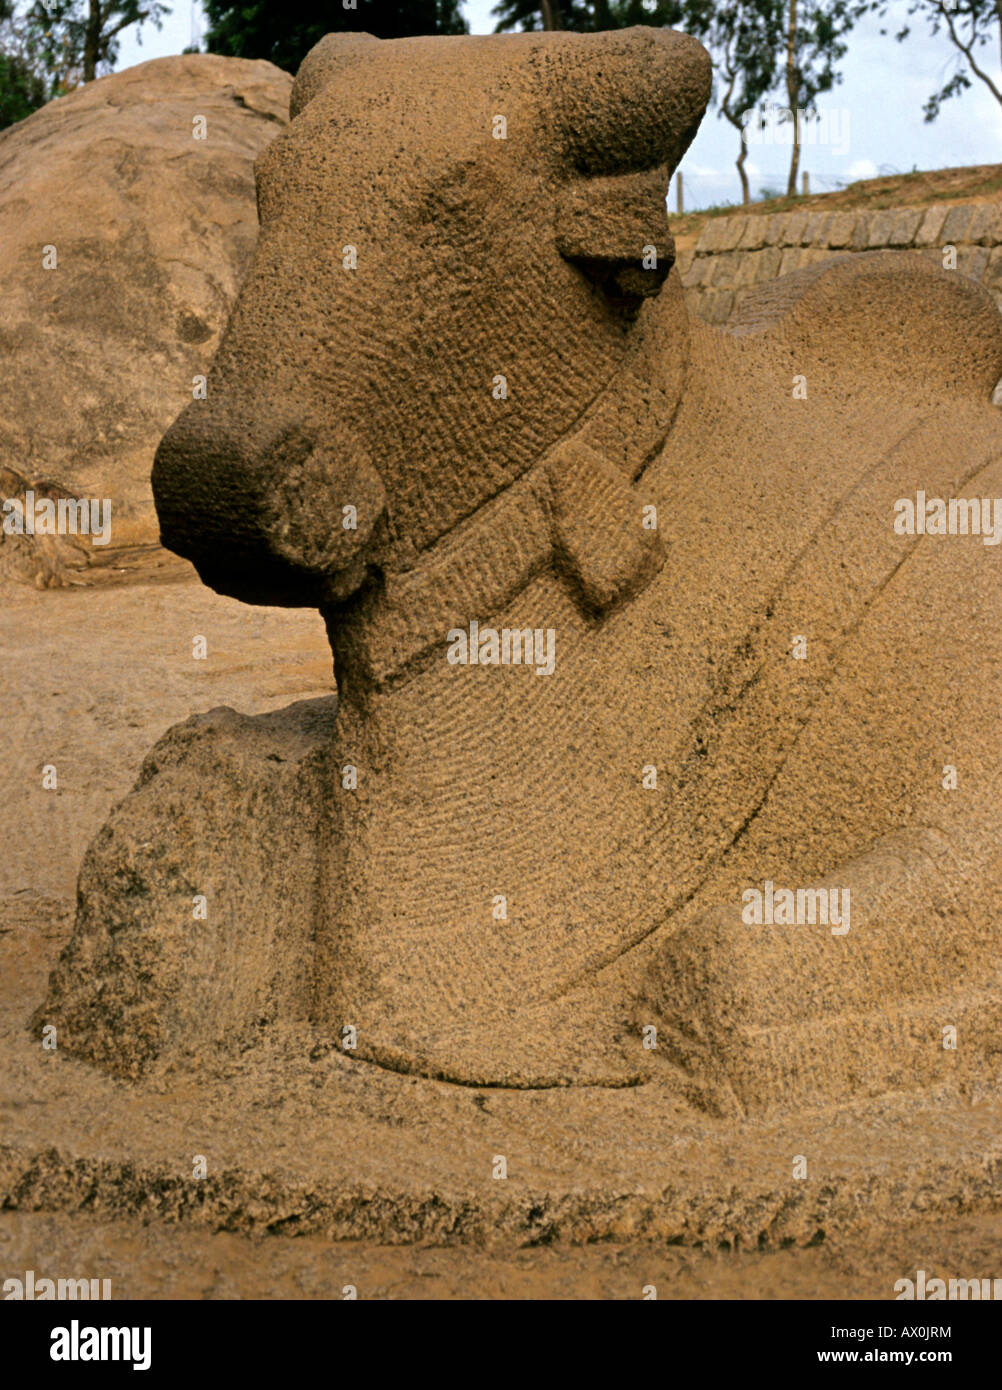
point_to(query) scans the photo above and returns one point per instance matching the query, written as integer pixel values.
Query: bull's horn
(333, 53)
(628, 99)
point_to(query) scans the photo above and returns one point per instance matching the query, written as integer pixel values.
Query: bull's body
(675, 646)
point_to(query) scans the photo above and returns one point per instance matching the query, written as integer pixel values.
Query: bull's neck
(579, 508)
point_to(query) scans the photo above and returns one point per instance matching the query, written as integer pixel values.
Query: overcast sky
(874, 118)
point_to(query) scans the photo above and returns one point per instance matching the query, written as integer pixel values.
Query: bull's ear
(332, 54)
(615, 230)
(628, 99)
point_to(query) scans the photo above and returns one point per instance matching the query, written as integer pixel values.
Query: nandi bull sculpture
(739, 828)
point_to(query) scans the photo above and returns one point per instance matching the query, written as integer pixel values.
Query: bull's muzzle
(278, 516)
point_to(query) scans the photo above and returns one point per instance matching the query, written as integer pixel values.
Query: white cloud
(862, 169)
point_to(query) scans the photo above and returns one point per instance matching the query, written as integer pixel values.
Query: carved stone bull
(460, 403)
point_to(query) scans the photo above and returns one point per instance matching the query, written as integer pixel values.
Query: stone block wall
(737, 253)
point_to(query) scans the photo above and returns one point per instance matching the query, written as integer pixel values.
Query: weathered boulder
(124, 241)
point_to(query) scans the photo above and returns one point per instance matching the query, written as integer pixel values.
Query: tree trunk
(745, 191)
(740, 163)
(551, 15)
(92, 41)
(792, 98)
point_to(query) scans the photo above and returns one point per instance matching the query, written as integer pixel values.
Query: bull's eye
(455, 192)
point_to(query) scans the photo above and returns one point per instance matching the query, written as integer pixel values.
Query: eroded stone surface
(146, 231)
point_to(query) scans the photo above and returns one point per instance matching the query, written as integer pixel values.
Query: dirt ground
(374, 1181)
(178, 1263)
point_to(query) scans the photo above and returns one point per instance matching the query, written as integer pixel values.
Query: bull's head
(441, 213)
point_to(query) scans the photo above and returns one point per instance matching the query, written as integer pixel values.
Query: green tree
(588, 16)
(21, 90)
(815, 42)
(284, 31)
(23, 84)
(54, 26)
(78, 39)
(104, 21)
(743, 42)
(969, 26)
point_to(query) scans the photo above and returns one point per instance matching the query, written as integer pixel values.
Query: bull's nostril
(321, 505)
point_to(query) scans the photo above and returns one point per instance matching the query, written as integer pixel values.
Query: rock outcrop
(125, 238)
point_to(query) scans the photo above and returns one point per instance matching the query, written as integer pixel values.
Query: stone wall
(736, 254)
